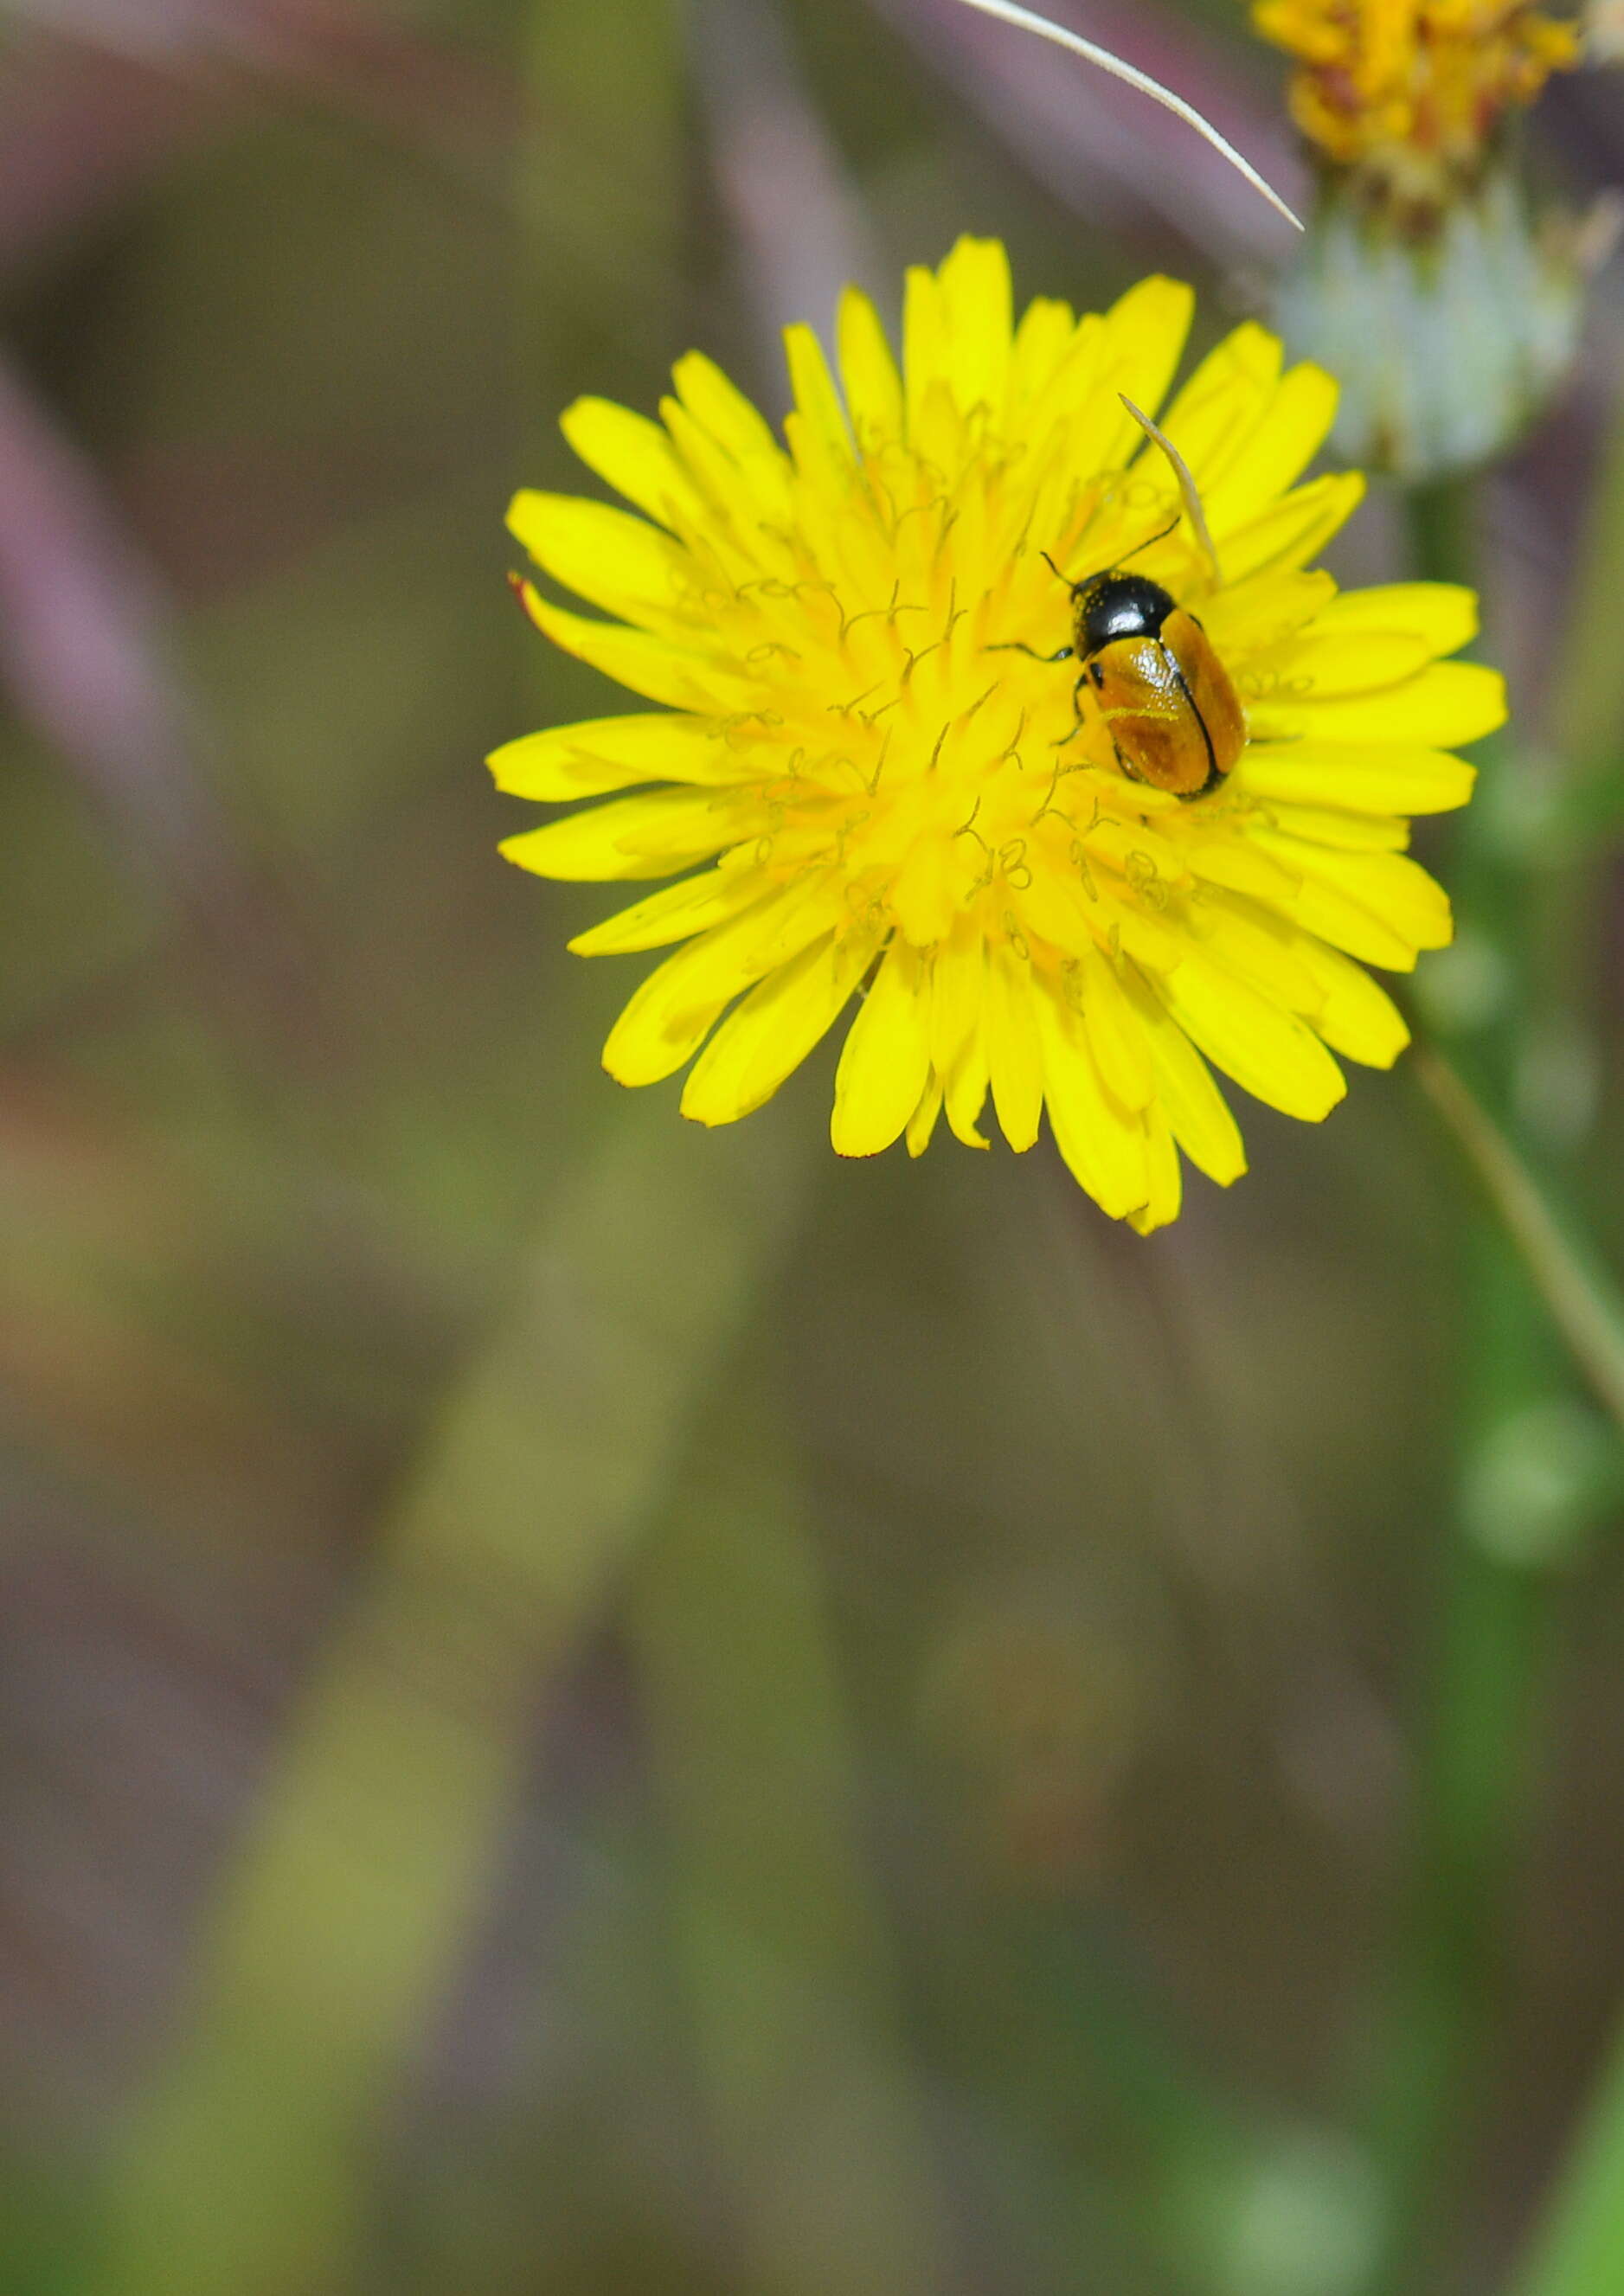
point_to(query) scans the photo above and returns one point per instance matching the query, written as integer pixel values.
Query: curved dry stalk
(1580, 1294)
(1026, 19)
(1189, 492)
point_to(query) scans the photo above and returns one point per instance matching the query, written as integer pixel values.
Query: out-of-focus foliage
(585, 1706)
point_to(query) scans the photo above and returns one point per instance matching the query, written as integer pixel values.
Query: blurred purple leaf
(83, 640)
(797, 218)
(99, 95)
(78, 131)
(1112, 157)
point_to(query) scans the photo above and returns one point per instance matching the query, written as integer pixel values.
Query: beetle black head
(1114, 606)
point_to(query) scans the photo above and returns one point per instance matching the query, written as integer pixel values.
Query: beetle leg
(1079, 720)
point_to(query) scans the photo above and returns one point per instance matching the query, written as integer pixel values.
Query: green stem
(785, 1957)
(1488, 1673)
(1580, 2249)
(1577, 2249)
(1580, 1295)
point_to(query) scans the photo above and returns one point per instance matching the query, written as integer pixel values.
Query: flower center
(920, 746)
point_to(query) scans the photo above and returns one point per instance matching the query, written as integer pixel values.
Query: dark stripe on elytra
(1184, 687)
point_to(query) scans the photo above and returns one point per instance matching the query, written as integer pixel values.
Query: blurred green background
(585, 1706)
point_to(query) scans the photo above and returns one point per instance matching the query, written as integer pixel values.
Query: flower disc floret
(877, 801)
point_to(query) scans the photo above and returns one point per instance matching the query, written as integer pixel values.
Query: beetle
(1166, 699)
(1167, 702)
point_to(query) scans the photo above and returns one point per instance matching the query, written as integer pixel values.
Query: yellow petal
(1322, 664)
(1451, 703)
(965, 1095)
(922, 1124)
(1013, 1056)
(977, 318)
(676, 912)
(1165, 1173)
(1115, 1033)
(1196, 1110)
(1103, 1148)
(1374, 778)
(1294, 531)
(1280, 449)
(958, 986)
(873, 388)
(619, 563)
(1350, 833)
(1331, 912)
(1442, 613)
(1241, 866)
(1268, 951)
(635, 456)
(1043, 342)
(744, 434)
(817, 431)
(885, 1062)
(1269, 607)
(1152, 945)
(674, 1009)
(774, 1028)
(1145, 340)
(1356, 1017)
(679, 675)
(735, 498)
(1051, 400)
(671, 1012)
(1268, 1051)
(612, 753)
(940, 439)
(1217, 411)
(924, 340)
(927, 890)
(1389, 886)
(653, 835)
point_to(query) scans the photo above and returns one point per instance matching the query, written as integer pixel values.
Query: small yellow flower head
(1416, 88)
(1447, 305)
(877, 804)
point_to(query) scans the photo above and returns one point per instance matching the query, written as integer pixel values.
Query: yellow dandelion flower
(879, 802)
(1414, 87)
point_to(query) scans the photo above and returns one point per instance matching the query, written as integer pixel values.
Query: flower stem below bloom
(1581, 2242)
(1585, 1300)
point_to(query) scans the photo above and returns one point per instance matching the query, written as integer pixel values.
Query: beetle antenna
(1149, 543)
(1151, 540)
(1186, 485)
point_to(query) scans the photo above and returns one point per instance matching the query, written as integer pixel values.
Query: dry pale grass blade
(1188, 491)
(333, 1934)
(785, 1957)
(1580, 1291)
(1117, 165)
(1006, 12)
